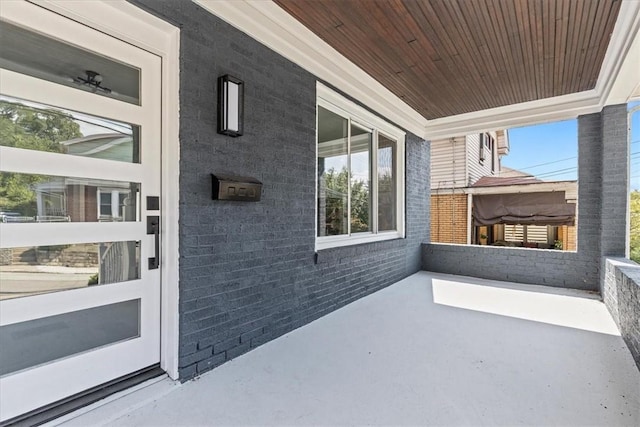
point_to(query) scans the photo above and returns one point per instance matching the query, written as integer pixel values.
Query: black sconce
(230, 105)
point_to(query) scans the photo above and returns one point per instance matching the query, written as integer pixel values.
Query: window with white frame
(111, 203)
(360, 174)
(487, 148)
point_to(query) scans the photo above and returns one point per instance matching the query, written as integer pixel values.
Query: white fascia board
(272, 26)
(635, 96)
(527, 113)
(620, 73)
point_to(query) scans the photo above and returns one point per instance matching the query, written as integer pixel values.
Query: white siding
(448, 168)
(476, 169)
(502, 139)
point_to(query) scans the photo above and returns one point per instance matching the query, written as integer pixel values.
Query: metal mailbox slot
(239, 188)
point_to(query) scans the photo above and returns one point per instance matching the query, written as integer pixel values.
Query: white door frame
(131, 24)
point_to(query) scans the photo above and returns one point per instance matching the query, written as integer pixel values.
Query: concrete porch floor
(432, 349)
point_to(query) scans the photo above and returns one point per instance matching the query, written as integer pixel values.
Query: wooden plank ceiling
(448, 57)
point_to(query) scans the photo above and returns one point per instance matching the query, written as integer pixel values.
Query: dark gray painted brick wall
(615, 180)
(602, 205)
(622, 297)
(247, 270)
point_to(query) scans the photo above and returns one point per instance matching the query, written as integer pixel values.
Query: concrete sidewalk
(432, 349)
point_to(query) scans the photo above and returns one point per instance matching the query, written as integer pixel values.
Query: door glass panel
(35, 55)
(34, 126)
(44, 198)
(333, 173)
(386, 183)
(35, 270)
(35, 342)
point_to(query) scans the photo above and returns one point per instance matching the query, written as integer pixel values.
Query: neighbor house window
(482, 154)
(360, 174)
(111, 204)
(492, 153)
(487, 148)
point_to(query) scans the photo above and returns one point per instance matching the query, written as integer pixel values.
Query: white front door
(80, 138)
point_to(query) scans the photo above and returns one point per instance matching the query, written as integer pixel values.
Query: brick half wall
(621, 295)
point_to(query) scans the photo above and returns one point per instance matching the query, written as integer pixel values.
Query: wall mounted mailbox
(240, 188)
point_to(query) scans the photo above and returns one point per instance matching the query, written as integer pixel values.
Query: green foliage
(634, 232)
(93, 279)
(337, 188)
(359, 206)
(27, 127)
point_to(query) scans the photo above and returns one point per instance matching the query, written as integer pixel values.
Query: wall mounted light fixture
(230, 105)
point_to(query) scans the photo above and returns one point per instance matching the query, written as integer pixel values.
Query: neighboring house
(58, 197)
(524, 211)
(467, 171)
(107, 146)
(101, 200)
(456, 164)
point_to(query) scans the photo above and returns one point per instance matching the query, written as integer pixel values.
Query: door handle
(153, 227)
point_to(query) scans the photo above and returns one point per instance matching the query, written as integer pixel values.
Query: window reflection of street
(26, 280)
(43, 269)
(31, 198)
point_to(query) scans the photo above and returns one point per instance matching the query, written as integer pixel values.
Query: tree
(27, 127)
(336, 186)
(386, 202)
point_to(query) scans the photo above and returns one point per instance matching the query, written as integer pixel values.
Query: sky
(549, 151)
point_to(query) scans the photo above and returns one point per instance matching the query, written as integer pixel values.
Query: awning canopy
(548, 208)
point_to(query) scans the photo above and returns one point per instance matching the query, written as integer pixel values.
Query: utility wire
(556, 173)
(548, 163)
(634, 155)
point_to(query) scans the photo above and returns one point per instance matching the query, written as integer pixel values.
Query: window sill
(357, 239)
